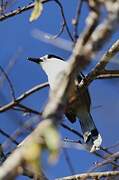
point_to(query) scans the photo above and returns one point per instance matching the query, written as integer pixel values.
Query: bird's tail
(92, 138)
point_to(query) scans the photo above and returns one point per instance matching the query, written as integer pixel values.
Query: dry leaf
(36, 11)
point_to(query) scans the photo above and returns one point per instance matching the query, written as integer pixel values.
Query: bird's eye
(50, 56)
(45, 58)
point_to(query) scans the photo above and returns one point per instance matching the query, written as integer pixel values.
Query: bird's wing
(85, 93)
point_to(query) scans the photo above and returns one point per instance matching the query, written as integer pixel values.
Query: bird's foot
(93, 143)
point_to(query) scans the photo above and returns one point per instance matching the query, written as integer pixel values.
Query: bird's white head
(52, 65)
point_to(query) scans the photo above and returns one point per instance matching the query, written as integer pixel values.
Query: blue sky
(17, 42)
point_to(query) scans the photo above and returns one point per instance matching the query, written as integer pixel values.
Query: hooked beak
(36, 60)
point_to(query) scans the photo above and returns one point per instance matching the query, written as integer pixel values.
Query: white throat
(53, 68)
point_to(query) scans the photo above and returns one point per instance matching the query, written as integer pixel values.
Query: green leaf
(38, 7)
(52, 140)
(32, 152)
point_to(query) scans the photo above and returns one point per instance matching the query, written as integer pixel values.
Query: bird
(78, 103)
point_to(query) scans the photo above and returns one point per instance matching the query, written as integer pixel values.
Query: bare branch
(109, 159)
(85, 47)
(101, 65)
(113, 146)
(9, 137)
(68, 160)
(19, 11)
(23, 96)
(64, 20)
(28, 109)
(26, 126)
(10, 65)
(71, 130)
(59, 33)
(95, 153)
(96, 175)
(108, 74)
(64, 23)
(91, 21)
(102, 157)
(9, 82)
(15, 163)
(75, 20)
(104, 30)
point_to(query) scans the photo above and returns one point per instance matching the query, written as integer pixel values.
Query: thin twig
(100, 67)
(26, 126)
(108, 74)
(53, 112)
(68, 160)
(10, 65)
(28, 109)
(102, 157)
(23, 96)
(9, 137)
(30, 6)
(75, 21)
(19, 11)
(64, 20)
(104, 30)
(91, 21)
(71, 130)
(59, 33)
(96, 153)
(109, 159)
(96, 175)
(9, 82)
(113, 146)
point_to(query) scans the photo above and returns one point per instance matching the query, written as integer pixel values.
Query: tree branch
(21, 97)
(107, 160)
(96, 175)
(75, 20)
(64, 20)
(105, 29)
(9, 82)
(108, 74)
(100, 67)
(19, 11)
(16, 162)
(9, 137)
(54, 110)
